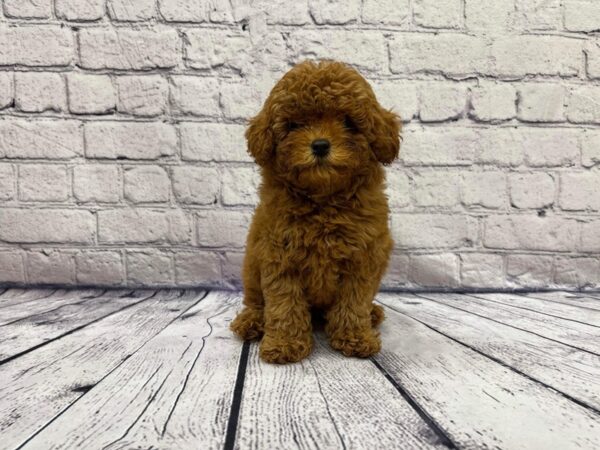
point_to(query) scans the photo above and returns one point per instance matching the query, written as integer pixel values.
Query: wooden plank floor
(159, 369)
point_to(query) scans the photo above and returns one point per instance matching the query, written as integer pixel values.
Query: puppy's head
(321, 127)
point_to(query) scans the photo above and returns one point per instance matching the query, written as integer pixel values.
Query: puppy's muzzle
(320, 147)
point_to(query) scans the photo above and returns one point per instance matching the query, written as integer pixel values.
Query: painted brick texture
(123, 161)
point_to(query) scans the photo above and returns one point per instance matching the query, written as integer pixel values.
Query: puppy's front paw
(248, 324)
(281, 351)
(362, 345)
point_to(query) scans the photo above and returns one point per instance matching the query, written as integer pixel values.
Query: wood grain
(40, 385)
(572, 372)
(177, 392)
(478, 402)
(577, 335)
(16, 296)
(580, 299)
(327, 401)
(65, 315)
(560, 310)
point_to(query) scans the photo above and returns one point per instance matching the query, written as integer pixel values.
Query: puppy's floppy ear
(260, 137)
(386, 135)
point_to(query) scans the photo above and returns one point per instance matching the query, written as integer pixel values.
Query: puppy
(319, 239)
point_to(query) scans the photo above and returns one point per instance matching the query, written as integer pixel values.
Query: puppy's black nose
(320, 147)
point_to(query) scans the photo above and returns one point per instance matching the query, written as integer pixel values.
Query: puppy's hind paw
(248, 324)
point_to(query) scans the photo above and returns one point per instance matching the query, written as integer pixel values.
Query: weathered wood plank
(41, 384)
(478, 402)
(581, 299)
(581, 336)
(21, 310)
(17, 295)
(177, 395)
(21, 335)
(327, 401)
(563, 311)
(572, 372)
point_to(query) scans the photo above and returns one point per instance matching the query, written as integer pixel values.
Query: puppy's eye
(349, 124)
(293, 126)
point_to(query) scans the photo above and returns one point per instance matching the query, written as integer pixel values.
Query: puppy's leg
(377, 315)
(288, 330)
(350, 320)
(249, 323)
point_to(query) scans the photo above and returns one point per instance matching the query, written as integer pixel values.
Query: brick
(518, 56)
(39, 92)
(36, 46)
(196, 96)
(334, 12)
(486, 189)
(439, 270)
(146, 184)
(50, 267)
(149, 268)
(231, 266)
(241, 100)
(208, 49)
(577, 272)
(387, 12)
(184, 10)
(530, 232)
(397, 188)
(451, 54)
(529, 270)
(220, 12)
(103, 48)
(90, 94)
(7, 182)
(538, 14)
(590, 148)
(531, 190)
(84, 10)
(433, 230)
(222, 228)
(397, 271)
(196, 185)
(541, 102)
(482, 270)
(438, 13)
(593, 59)
(240, 186)
(501, 147)
(487, 16)
(130, 140)
(440, 102)
(28, 9)
(131, 10)
(12, 269)
(97, 183)
(139, 225)
(212, 142)
(580, 191)
(47, 226)
(197, 269)
(590, 236)
(7, 91)
(58, 139)
(584, 105)
(582, 15)
(435, 188)
(99, 268)
(439, 146)
(366, 50)
(43, 182)
(284, 12)
(492, 102)
(145, 96)
(399, 96)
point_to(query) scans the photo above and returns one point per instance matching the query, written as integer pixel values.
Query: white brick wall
(123, 162)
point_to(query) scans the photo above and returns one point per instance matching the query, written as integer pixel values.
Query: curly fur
(319, 239)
